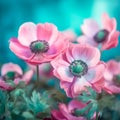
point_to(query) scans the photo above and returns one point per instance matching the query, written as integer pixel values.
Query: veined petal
(90, 27)
(27, 33)
(90, 55)
(20, 50)
(11, 67)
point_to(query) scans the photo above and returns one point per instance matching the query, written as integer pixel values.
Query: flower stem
(37, 69)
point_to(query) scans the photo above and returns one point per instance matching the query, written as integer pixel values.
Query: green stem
(38, 78)
(37, 68)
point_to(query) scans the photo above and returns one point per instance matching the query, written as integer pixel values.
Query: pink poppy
(77, 68)
(10, 71)
(107, 36)
(66, 112)
(38, 43)
(111, 77)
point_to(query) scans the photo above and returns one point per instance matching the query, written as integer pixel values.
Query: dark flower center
(101, 36)
(39, 46)
(78, 68)
(116, 80)
(11, 75)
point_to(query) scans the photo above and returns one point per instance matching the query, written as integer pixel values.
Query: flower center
(39, 46)
(11, 75)
(78, 68)
(116, 80)
(101, 36)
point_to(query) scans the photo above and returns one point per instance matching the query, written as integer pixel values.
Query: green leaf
(28, 115)
(37, 103)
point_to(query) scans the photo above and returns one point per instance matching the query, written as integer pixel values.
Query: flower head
(10, 71)
(107, 36)
(77, 68)
(111, 77)
(66, 112)
(38, 43)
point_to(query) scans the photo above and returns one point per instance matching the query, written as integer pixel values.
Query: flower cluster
(74, 60)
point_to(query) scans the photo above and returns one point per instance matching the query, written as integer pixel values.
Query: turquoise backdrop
(63, 13)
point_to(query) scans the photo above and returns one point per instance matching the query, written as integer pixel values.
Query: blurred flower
(78, 67)
(107, 36)
(66, 112)
(13, 72)
(38, 43)
(112, 78)
(70, 34)
(45, 70)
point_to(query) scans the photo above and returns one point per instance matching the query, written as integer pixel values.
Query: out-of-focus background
(63, 13)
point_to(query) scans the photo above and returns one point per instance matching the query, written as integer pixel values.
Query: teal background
(63, 13)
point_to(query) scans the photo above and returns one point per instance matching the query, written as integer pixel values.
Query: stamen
(101, 36)
(78, 68)
(39, 46)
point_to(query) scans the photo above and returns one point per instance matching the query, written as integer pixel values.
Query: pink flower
(38, 43)
(78, 67)
(10, 71)
(111, 77)
(107, 36)
(66, 111)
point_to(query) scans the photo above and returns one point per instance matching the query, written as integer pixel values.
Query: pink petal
(108, 23)
(86, 40)
(4, 85)
(112, 89)
(98, 86)
(27, 33)
(27, 76)
(47, 32)
(75, 104)
(88, 54)
(112, 40)
(90, 27)
(11, 67)
(98, 72)
(57, 115)
(65, 74)
(67, 87)
(79, 85)
(58, 62)
(20, 50)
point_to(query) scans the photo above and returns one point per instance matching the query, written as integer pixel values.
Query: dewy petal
(108, 23)
(20, 50)
(90, 55)
(90, 27)
(65, 74)
(27, 33)
(86, 40)
(11, 67)
(47, 32)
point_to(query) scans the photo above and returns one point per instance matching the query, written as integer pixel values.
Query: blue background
(63, 13)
